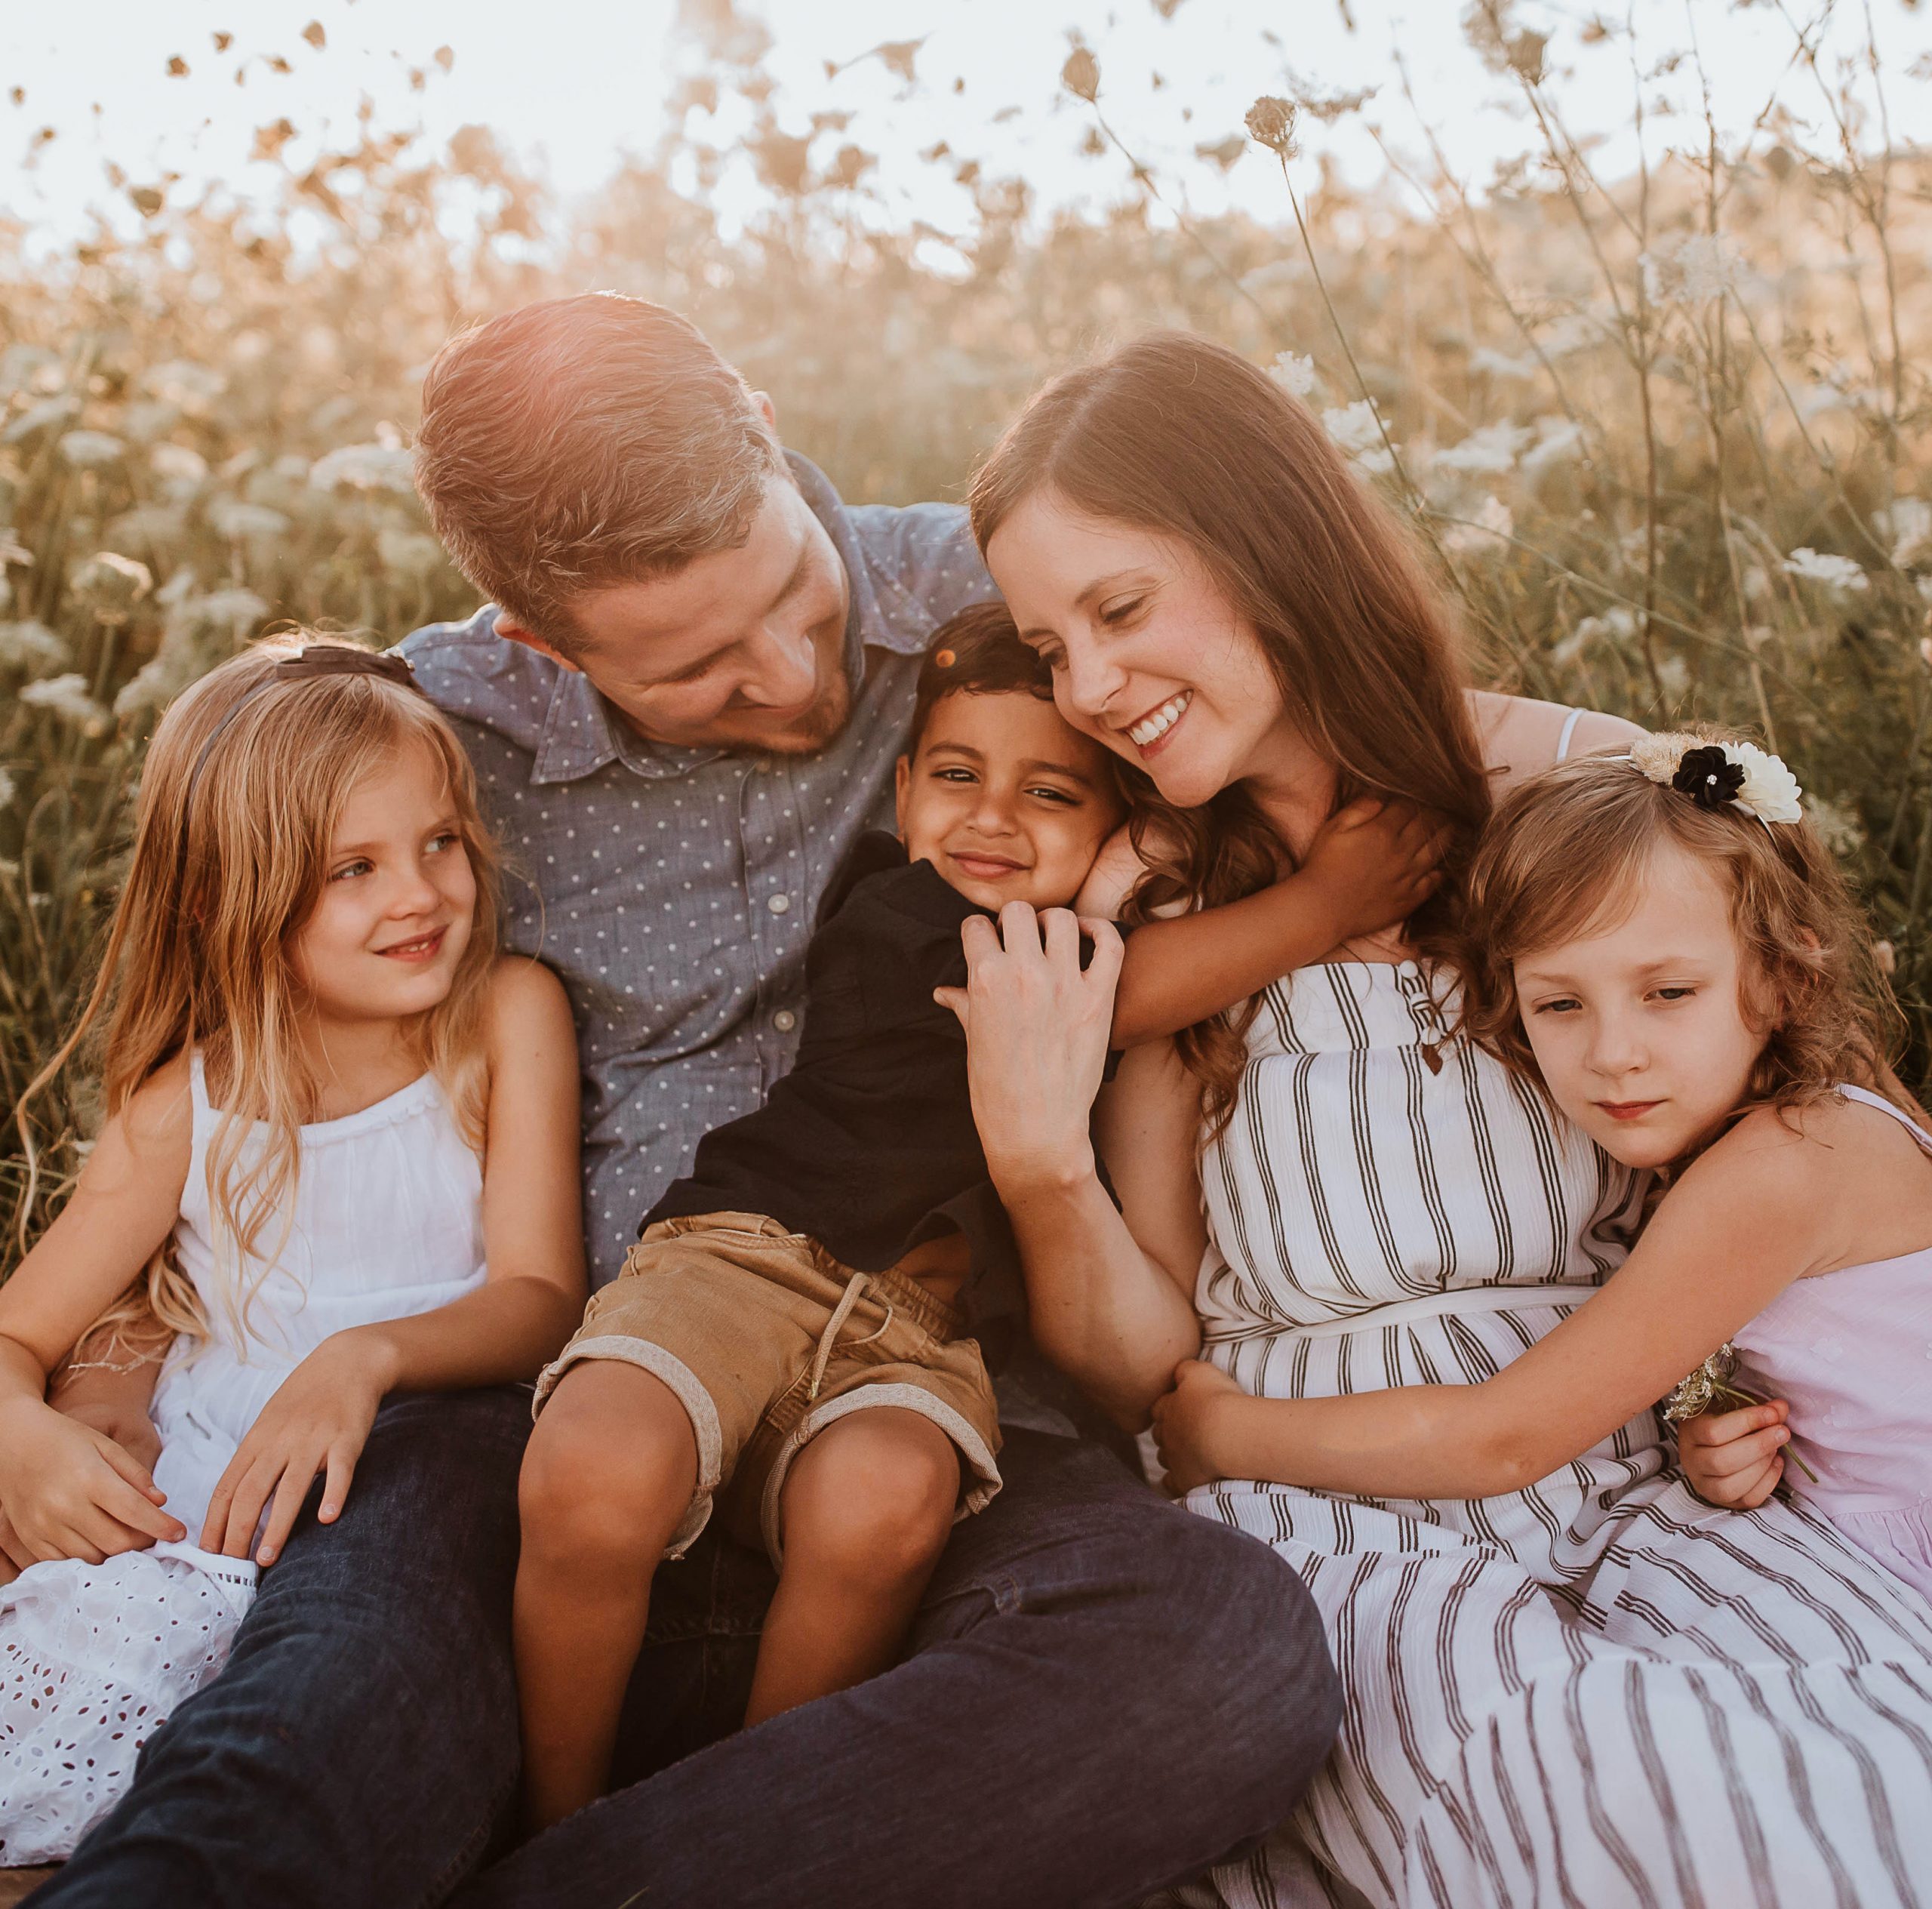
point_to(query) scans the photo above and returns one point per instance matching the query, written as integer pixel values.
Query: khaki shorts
(767, 1339)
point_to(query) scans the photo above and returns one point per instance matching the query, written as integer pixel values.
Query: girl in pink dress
(1662, 944)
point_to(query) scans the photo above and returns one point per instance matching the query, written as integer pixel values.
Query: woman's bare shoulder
(1521, 735)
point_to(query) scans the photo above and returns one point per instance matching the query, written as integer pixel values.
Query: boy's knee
(879, 1498)
(610, 1467)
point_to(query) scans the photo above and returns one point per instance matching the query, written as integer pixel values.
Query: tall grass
(1666, 434)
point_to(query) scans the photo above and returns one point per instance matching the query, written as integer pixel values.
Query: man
(684, 703)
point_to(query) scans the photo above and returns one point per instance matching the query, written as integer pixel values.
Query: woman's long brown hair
(1182, 437)
(232, 835)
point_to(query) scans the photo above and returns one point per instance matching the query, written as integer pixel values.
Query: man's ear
(762, 401)
(513, 631)
(902, 785)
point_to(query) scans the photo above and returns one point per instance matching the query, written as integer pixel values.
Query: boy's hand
(71, 1491)
(1734, 1458)
(1188, 1423)
(1376, 862)
(318, 1420)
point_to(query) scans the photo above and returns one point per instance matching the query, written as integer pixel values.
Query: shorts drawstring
(828, 1340)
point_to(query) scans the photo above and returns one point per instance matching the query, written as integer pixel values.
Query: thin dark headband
(313, 660)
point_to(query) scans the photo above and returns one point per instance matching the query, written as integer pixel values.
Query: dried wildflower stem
(1144, 178)
(1411, 490)
(1473, 251)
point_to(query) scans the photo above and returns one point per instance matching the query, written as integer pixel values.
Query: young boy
(786, 1339)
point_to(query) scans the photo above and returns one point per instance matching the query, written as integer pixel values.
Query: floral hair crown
(1717, 774)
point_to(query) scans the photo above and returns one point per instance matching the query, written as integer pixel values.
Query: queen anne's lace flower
(1835, 573)
(1293, 372)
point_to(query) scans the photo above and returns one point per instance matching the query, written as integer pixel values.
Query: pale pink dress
(1851, 1351)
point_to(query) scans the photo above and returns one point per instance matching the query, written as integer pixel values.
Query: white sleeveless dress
(1595, 1692)
(387, 1224)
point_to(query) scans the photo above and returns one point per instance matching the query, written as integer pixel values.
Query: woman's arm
(1371, 866)
(532, 1295)
(1750, 1216)
(1112, 1317)
(69, 1489)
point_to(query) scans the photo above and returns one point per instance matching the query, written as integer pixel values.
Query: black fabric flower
(1708, 777)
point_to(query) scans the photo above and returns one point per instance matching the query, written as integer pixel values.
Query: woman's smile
(1152, 730)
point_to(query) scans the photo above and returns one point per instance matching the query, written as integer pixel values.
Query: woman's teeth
(1152, 728)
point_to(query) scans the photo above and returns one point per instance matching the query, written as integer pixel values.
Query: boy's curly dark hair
(977, 653)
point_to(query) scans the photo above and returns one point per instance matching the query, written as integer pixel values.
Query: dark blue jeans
(1102, 1695)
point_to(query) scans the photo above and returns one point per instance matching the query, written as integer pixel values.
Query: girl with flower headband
(1660, 941)
(339, 1162)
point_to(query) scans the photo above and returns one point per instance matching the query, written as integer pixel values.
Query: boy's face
(1005, 801)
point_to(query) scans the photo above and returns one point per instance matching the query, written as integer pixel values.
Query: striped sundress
(1595, 1692)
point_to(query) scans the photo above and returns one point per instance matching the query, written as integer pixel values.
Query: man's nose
(784, 671)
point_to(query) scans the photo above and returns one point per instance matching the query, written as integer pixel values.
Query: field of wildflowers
(1666, 435)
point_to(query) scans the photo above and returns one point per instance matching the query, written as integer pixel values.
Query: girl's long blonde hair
(232, 834)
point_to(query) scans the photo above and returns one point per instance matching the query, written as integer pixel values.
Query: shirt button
(779, 903)
(784, 1021)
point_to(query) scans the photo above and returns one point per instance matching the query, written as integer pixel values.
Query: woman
(1595, 1691)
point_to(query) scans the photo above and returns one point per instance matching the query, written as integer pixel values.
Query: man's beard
(811, 731)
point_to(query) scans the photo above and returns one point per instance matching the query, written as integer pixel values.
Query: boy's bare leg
(606, 1482)
(866, 1510)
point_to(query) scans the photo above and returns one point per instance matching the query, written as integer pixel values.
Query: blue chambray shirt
(673, 890)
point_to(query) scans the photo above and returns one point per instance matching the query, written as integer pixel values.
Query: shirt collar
(582, 732)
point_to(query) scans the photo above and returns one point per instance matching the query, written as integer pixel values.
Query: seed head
(1271, 122)
(1080, 75)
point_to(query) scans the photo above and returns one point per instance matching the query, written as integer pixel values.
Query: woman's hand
(318, 1420)
(1735, 1458)
(1191, 1423)
(70, 1491)
(1037, 1025)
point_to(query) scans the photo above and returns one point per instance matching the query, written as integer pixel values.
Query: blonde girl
(1662, 943)
(340, 1161)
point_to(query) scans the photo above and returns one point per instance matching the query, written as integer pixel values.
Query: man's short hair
(585, 442)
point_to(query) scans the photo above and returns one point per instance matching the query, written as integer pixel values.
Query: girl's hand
(71, 1491)
(1376, 863)
(318, 1420)
(1037, 1026)
(1733, 1458)
(1190, 1424)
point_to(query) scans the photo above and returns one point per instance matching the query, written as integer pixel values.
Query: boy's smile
(1005, 800)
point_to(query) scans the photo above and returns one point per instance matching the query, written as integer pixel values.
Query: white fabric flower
(1770, 791)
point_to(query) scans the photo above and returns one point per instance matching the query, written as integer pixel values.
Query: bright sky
(571, 85)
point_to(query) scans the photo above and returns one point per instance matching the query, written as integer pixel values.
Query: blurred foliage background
(1665, 435)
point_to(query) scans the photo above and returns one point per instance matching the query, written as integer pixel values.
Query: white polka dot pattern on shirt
(680, 933)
